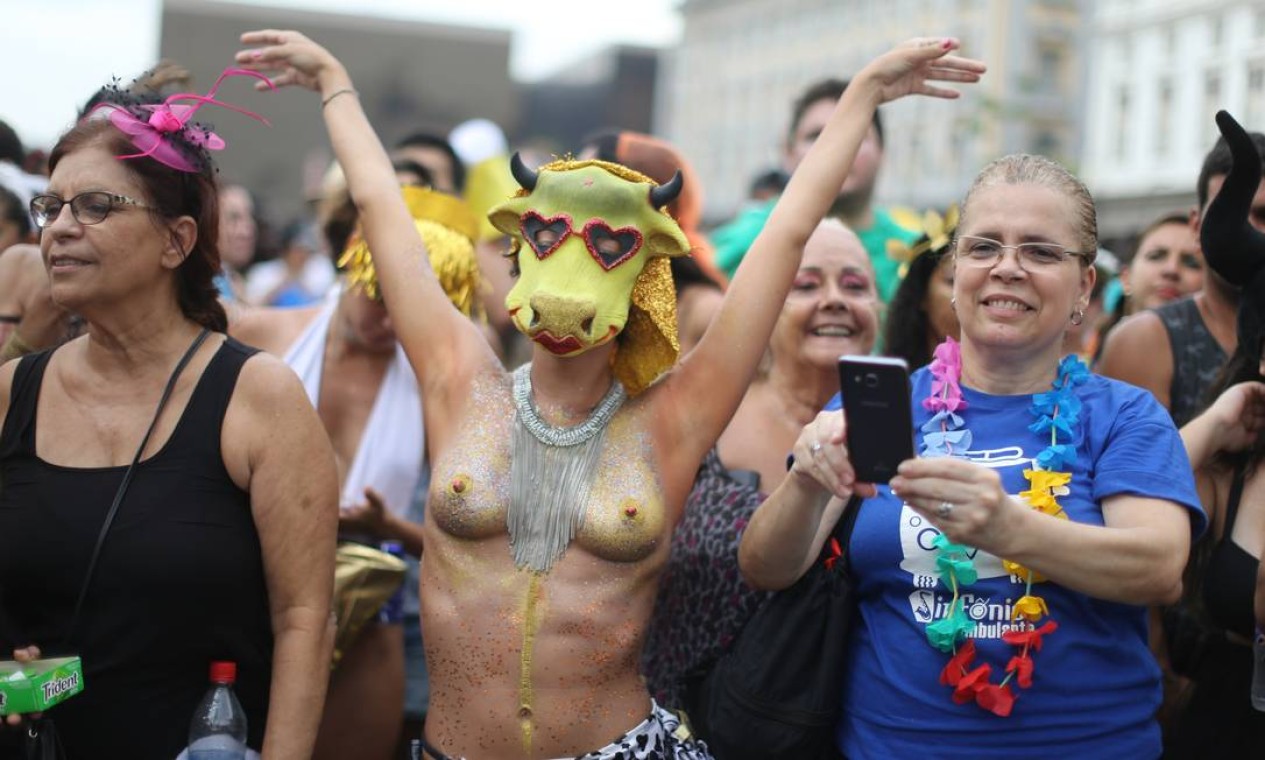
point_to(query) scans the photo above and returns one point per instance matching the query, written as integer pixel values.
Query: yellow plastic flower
(1042, 487)
(1019, 571)
(1030, 607)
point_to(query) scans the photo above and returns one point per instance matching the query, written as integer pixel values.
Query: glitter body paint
(527, 664)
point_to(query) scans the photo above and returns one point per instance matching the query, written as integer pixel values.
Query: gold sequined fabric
(448, 228)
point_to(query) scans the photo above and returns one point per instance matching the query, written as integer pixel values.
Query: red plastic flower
(1030, 638)
(836, 552)
(1021, 665)
(958, 664)
(998, 700)
(971, 683)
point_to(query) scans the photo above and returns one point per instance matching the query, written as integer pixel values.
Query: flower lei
(944, 434)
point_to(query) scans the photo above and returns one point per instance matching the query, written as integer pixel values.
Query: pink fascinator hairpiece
(164, 132)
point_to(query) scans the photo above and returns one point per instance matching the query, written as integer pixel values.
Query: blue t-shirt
(1096, 686)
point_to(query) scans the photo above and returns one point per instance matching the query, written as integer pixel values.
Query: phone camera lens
(871, 380)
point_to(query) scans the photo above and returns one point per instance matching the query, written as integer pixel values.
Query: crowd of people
(604, 438)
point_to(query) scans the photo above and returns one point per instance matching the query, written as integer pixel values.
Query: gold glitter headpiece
(448, 228)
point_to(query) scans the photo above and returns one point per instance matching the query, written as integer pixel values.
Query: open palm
(296, 59)
(910, 68)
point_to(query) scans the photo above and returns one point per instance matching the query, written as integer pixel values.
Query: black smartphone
(877, 408)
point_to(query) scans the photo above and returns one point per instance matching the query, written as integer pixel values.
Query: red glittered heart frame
(604, 261)
(544, 223)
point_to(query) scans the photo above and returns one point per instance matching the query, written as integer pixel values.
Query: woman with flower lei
(1002, 577)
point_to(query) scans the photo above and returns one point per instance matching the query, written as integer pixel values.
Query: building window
(1254, 116)
(1211, 103)
(1122, 123)
(1215, 34)
(1046, 143)
(1050, 63)
(1163, 116)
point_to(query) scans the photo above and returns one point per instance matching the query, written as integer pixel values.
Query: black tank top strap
(18, 436)
(204, 414)
(1232, 504)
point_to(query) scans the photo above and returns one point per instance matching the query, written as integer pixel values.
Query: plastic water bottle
(1258, 670)
(218, 728)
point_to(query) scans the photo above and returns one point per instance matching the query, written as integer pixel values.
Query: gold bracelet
(336, 93)
(15, 347)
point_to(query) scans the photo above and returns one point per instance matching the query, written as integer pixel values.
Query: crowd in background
(873, 279)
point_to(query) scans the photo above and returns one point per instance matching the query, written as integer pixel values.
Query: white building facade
(1160, 70)
(725, 94)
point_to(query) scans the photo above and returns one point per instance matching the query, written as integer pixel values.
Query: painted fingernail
(948, 43)
(256, 54)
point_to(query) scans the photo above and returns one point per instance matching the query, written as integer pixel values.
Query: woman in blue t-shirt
(1003, 576)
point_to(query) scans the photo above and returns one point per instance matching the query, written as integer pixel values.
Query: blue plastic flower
(1057, 457)
(1072, 371)
(946, 443)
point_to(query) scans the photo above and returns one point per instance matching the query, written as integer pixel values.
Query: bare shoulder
(269, 413)
(268, 329)
(267, 384)
(18, 265)
(1137, 351)
(18, 257)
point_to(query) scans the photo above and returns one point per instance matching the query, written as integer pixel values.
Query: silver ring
(815, 448)
(946, 509)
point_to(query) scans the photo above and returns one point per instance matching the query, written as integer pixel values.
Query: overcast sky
(56, 54)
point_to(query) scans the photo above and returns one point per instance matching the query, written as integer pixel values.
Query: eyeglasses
(87, 208)
(983, 252)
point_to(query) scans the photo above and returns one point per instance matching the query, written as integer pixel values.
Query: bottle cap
(224, 672)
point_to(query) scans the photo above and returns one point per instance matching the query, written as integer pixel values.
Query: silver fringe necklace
(551, 473)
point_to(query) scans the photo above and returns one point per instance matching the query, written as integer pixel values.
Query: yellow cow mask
(594, 266)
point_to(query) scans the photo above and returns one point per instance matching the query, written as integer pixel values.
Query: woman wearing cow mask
(555, 488)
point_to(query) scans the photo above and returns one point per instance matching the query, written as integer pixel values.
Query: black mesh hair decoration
(164, 130)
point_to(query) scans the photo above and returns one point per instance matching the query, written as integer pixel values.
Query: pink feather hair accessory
(164, 131)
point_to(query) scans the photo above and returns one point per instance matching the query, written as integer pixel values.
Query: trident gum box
(27, 687)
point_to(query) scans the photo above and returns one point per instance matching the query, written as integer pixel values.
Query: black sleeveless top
(179, 582)
(1229, 586)
(1197, 358)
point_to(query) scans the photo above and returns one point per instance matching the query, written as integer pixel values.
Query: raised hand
(1240, 415)
(370, 517)
(821, 455)
(911, 67)
(297, 60)
(966, 501)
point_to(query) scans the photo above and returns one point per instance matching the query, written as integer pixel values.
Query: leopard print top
(703, 602)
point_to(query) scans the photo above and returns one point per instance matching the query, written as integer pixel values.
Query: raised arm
(445, 347)
(704, 391)
(788, 529)
(1232, 423)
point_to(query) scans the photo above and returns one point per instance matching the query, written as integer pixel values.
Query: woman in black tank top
(221, 547)
(1227, 446)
